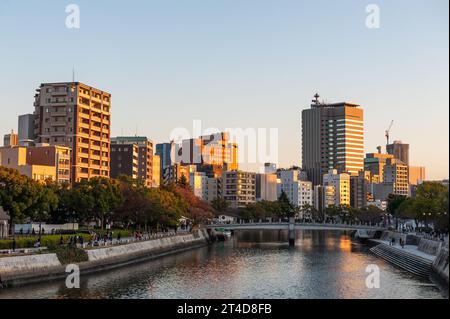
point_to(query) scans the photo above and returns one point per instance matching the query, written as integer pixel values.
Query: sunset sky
(252, 63)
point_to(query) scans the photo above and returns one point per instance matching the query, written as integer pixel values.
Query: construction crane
(387, 132)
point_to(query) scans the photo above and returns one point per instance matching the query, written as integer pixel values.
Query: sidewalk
(412, 249)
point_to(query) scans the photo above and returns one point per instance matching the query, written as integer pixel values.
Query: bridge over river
(292, 227)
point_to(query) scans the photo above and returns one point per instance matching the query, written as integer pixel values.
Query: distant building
(239, 188)
(213, 188)
(359, 189)
(173, 173)
(375, 163)
(143, 163)
(399, 150)
(164, 151)
(396, 177)
(198, 183)
(11, 139)
(26, 130)
(266, 187)
(299, 192)
(381, 204)
(416, 175)
(324, 197)
(40, 162)
(156, 171)
(341, 184)
(332, 138)
(270, 168)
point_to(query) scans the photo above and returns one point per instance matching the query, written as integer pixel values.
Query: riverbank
(420, 256)
(21, 270)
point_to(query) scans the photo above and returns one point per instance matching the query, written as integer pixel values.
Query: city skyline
(266, 82)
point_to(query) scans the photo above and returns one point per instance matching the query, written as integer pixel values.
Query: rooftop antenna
(136, 131)
(316, 99)
(73, 73)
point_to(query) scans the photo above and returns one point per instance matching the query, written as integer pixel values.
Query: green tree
(220, 204)
(17, 194)
(286, 208)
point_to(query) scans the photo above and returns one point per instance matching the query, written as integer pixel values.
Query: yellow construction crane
(387, 132)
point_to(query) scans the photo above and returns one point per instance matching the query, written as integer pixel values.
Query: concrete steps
(414, 264)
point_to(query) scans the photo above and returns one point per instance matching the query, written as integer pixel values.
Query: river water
(253, 264)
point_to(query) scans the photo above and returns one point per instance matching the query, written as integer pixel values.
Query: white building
(324, 196)
(298, 192)
(266, 187)
(341, 184)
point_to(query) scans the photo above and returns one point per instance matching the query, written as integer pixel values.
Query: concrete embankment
(19, 270)
(440, 265)
(420, 256)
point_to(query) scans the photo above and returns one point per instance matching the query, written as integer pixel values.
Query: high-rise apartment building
(399, 150)
(332, 138)
(341, 184)
(359, 189)
(144, 161)
(239, 188)
(76, 115)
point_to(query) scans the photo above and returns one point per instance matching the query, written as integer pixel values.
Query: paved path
(412, 249)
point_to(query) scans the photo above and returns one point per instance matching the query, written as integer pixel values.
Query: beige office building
(332, 138)
(416, 174)
(76, 115)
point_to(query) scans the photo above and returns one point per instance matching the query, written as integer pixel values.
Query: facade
(359, 189)
(324, 196)
(173, 173)
(40, 162)
(26, 130)
(11, 139)
(239, 188)
(399, 150)
(416, 175)
(144, 161)
(375, 163)
(341, 184)
(212, 154)
(156, 171)
(124, 160)
(381, 204)
(396, 177)
(332, 138)
(198, 183)
(266, 187)
(299, 192)
(213, 188)
(164, 151)
(76, 115)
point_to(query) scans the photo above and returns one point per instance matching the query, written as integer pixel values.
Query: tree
(45, 201)
(286, 208)
(97, 199)
(220, 204)
(370, 214)
(394, 201)
(17, 194)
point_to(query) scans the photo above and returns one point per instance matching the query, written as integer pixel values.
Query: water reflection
(254, 264)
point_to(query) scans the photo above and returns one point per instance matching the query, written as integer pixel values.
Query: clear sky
(246, 63)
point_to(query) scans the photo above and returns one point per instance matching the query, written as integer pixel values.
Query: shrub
(70, 254)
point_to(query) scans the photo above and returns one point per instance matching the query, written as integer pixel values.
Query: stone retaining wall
(428, 246)
(19, 270)
(440, 264)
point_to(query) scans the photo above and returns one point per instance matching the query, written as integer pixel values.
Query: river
(252, 264)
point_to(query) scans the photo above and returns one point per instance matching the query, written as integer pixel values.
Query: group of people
(401, 241)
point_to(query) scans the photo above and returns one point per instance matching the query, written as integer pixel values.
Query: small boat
(222, 234)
